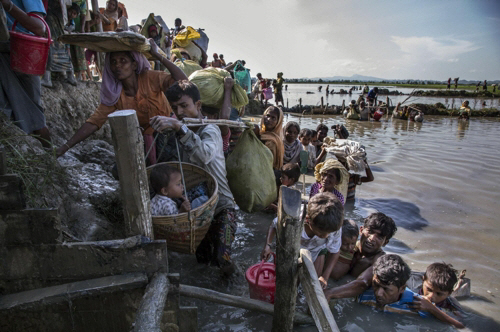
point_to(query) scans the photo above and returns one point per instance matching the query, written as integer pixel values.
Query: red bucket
(262, 281)
(29, 53)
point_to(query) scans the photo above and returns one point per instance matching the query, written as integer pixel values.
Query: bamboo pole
(315, 297)
(238, 301)
(322, 103)
(150, 312)
(300, 104)
(287, 253)
(343, 106)
(134, 188)
(193, 122)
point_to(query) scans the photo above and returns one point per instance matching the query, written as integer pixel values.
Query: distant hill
(354, 77)
(362, 78)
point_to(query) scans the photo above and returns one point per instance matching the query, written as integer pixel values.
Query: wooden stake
(322, 104)
(287, 103)
(300, 103)
(287, 253)
(134, 189)
(150, 312)
(343, 105)
(314, 294)
(237, 301)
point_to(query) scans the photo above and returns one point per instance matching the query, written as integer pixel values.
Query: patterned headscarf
(330, 164)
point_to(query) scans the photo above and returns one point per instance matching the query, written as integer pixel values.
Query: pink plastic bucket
(29, 53)
(262, 281)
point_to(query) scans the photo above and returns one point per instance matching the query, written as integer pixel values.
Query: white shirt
(163, 206)
(204, 149)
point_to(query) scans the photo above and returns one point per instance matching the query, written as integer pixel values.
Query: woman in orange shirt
(128, 83)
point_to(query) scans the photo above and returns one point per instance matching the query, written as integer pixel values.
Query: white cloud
(442, 49)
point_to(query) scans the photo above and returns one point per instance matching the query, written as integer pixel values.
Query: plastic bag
(210, 82)
(268, 93)
(184, 37)
(250, 173)
(242, 77)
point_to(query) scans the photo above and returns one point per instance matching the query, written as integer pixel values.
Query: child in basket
(321, 234)
(166, 181)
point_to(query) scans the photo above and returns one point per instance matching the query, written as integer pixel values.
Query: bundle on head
(210, 82)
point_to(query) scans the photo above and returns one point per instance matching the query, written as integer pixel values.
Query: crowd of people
(162, 99)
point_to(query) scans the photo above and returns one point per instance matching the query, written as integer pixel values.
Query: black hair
(160, 177)
(182, 88)
(442, 276)
(75, 7)
(375, 89)
(259, 74)
(350, 229)
(391, 270)
(304, 132)
(326, 212)
(178, 19)
(221, 56)
(209, 110)
(292, 171)
(314, 133)
(381, 222)
(320, 127)
(292, 124)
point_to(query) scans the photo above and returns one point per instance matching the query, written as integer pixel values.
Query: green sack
(250, 173)
(210, 82)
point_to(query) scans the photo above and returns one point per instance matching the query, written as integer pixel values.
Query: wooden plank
(288, 234)
(11, 192)
(30, 267)
(237, 301)
(33, 226)
(315, 296)
(150, 312)
(70, 291)
(134, 188)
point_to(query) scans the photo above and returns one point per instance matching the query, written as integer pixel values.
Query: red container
(29, 53)
(377, 115)
(262, 281)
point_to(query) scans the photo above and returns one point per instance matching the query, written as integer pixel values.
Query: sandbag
(242, 77)
(351, 152)
(250, 173)
(210, 82)
(186, 35)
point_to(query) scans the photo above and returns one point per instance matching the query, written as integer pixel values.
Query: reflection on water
(296, 91)
(440, 185)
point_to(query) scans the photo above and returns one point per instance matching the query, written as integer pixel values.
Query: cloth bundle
(210, 82)
(352, 152)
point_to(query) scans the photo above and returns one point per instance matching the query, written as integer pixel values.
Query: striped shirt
(401, 307)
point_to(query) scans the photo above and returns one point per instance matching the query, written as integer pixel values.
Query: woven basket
(182, 234)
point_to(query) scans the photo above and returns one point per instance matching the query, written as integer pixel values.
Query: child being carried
(166, 181)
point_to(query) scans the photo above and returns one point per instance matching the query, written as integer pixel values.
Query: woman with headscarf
(464, 111)
(331, 176)
(127, 83)
(291, 143)
(271, 134)
(122, 24)
(109, 16)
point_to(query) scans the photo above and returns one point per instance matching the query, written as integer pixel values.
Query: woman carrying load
(109, 16)
(127, 83)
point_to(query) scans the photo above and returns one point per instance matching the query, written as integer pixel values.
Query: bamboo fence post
(287, 254)
(134, 189)
(287, 103)
(315, 297)
(300, 104)
(322, 103)
(343, 105)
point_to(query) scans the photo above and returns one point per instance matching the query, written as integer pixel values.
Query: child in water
(321, 234)
(167, 184)
(289, 175)
(350, 233)
(438, 282)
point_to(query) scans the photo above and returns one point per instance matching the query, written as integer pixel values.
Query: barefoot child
(321, 234)
(289, 175)
(438, 283)
(350, 233)
(167, 183)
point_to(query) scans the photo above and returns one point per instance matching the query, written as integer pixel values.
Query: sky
(398, 39)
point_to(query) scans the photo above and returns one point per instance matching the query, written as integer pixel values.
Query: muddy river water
(438, 180)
